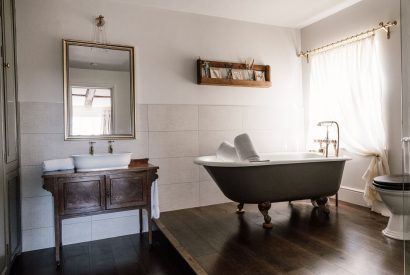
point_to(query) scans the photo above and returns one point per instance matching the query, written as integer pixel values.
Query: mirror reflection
(99, 91)
(92, 110)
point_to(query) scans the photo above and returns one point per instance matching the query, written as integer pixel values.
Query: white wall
(405, 36)
(177, 119)
(362, 16)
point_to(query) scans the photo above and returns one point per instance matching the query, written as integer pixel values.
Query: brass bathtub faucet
(324, 143)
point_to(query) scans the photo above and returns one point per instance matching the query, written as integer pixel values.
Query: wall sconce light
(100, 35)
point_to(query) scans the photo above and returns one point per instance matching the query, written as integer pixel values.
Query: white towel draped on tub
(154, 200)
(227, 152)
(245, 149)
(58, 164)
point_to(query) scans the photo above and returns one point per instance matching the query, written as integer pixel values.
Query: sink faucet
(110, 147)
(328, 141)
(91, 149)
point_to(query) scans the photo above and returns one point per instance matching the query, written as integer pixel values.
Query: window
(92, 112)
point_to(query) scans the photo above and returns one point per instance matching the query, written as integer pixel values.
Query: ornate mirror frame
(67, 114)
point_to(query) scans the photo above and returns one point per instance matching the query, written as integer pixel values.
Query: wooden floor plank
(302, 240)
(116, 256)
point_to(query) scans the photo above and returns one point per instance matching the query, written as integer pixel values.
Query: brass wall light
(100, 35)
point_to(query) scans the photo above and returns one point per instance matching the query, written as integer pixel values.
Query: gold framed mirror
(99, 91)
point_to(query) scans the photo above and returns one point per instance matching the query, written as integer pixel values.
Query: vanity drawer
(126, 189)
(81, 194)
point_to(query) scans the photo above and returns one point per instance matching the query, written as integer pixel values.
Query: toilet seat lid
(393, 182)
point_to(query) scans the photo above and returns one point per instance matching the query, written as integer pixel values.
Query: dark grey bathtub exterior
(279, 182)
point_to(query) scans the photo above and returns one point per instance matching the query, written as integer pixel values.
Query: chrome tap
(328, 141)
(110, 147)
(91, 149)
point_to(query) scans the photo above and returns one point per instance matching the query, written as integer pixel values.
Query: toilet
(394, 190)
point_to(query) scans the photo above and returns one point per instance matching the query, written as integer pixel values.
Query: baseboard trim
(352, 195)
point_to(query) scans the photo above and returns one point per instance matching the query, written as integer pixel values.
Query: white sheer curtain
(345, 86)
(106, 121)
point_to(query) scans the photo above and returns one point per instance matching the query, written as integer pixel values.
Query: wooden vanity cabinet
(92, 193)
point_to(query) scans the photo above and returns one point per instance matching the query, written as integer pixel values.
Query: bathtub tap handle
(91, 148)
(327, 141)
(110, 147)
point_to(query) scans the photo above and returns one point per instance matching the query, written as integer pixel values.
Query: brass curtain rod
(351, 39)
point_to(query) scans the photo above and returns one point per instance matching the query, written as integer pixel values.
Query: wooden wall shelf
(204, 78)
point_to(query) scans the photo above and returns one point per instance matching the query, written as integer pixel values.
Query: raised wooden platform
(216, 240)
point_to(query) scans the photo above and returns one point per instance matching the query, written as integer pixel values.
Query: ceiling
(285, 13)
(98, 59)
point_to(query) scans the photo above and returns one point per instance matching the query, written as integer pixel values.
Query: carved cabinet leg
(149, 221)
(264, 209)
(58, 245)
(141, 222)
(240, 210)
(322, 204)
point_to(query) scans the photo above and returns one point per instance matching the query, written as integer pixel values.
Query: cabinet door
(13, 190)
(81, 194)
(126, 190)
(9, 74)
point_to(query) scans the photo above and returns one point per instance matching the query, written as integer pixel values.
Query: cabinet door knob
(7, 65)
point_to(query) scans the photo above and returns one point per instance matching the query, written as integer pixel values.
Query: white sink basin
(99, 162)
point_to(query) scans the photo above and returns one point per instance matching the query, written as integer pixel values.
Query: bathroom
(174, 121)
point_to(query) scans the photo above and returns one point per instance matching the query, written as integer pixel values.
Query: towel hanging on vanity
(154, 201)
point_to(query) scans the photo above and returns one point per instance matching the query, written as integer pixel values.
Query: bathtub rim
(211, 160)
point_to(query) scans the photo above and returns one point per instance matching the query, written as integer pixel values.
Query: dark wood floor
(215, 240)
(122, 255)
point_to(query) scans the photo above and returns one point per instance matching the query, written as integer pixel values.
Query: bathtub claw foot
(240, 210)
(267, 225)
(322, 204)
(264, 209)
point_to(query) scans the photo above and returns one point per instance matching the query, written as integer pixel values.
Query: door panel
(3, 188)
(81, 195)
(126, 189)
(3, 224)
(13, 187)
(9, 75)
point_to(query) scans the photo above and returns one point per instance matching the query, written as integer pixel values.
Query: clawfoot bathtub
(283, 177)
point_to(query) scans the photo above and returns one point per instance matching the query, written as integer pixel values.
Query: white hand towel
(154, 201)
(226, 152)
(245, 149)
(58, 164)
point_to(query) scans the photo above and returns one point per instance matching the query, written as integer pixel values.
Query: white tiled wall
(170, 135)
(221, 118)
